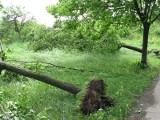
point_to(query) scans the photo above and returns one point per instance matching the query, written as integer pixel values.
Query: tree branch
(146, 7)
(138, 10)
(151, 11)
(155, 18)
(141, 5)
(57, 66)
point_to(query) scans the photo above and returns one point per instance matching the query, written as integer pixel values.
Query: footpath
(148, 107)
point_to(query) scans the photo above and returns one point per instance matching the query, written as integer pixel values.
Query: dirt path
(148, 106)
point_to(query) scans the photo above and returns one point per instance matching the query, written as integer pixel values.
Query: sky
(36, 8)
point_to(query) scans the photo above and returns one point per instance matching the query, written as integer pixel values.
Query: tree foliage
(84, 27)
(106, 11)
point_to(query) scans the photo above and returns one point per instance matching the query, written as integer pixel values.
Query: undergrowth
(30, 99)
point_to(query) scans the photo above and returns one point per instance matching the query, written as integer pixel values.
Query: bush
(8, 76)
(41, 37)
(39, 45)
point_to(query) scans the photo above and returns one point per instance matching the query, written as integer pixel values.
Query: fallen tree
(43, 78)
(155, 51)
(93, 100)
(131, 48)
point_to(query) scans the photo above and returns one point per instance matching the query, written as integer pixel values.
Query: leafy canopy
(117, 11)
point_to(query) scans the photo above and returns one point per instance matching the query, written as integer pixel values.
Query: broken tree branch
(43, 78)
(57, 66)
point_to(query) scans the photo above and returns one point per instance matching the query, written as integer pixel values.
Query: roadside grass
(125, 81)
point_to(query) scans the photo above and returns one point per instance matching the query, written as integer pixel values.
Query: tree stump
(95, 98)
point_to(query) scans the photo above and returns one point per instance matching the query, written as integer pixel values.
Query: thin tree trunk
(62, 85)
(146, 27)
(1, 51)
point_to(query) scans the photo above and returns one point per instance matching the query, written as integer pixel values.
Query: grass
(31, 99)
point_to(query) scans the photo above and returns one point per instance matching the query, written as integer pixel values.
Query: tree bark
(146, 27)
(62, 85)
(132, 48)
(1, 51)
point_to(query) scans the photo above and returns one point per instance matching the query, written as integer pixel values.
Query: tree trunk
(1, 51)
(146, 27)
(62, 85)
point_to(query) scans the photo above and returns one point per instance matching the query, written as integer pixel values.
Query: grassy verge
(35, 100)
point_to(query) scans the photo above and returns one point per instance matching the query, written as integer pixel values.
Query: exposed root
(95, 98)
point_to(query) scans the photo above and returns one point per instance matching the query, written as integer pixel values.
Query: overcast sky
(36, 8)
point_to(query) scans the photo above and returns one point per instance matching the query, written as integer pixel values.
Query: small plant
(37, 46)
(8, 76)
(43, 114)
(13, 111)
(99, 115)
(16, 109)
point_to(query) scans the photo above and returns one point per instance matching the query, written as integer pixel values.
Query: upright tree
(14, 18)
(148, 11)
(115, 12)
(1, 6)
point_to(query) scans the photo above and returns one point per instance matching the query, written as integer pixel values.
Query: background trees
(13, 21)
(83, 25)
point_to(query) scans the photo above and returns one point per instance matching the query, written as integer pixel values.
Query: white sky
(36, 8)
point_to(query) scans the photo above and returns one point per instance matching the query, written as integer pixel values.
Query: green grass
(120, 70)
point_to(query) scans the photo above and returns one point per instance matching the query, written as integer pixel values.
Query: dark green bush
(39, 45)
(8, 76)
(83, 38)
(18, 109)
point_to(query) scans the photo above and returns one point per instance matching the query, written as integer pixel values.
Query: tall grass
(120, 70)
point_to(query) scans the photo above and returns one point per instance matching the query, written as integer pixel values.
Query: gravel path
(148, 106)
